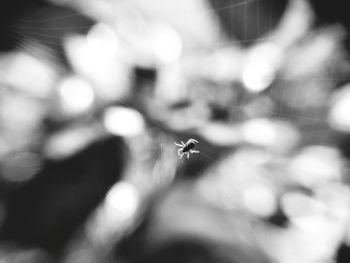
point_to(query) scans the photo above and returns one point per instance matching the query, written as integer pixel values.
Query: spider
(186, 148)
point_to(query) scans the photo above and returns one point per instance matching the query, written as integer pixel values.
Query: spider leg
(178, 145)
(181, 155)
(183, 144)
(194, 151)
(179, 152)
(188, 155)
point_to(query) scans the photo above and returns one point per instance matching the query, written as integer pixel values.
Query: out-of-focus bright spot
(336, 196)
(76, 95)
(296, 204)
(170, 85)
(259, 200)
(122, 121)
(224, 65)
(167, 44)
(68, 142)
(257, 76)
(123, 200)
(30, 75)
(277, 135)
(103, 38)
(316, 165)
(151, 43)
(261, 65)
(100, 59)
(20, 112)
(295, 23)
(259, 131)
(20, 167)
(220, 134)
(115, 215)
(189, 17)
(339, 117)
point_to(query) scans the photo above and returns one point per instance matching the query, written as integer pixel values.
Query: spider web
(312, 121)
(158, 150)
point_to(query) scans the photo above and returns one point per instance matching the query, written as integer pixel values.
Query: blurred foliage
(94, 94)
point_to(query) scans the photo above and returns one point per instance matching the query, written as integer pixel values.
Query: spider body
(187, 148)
